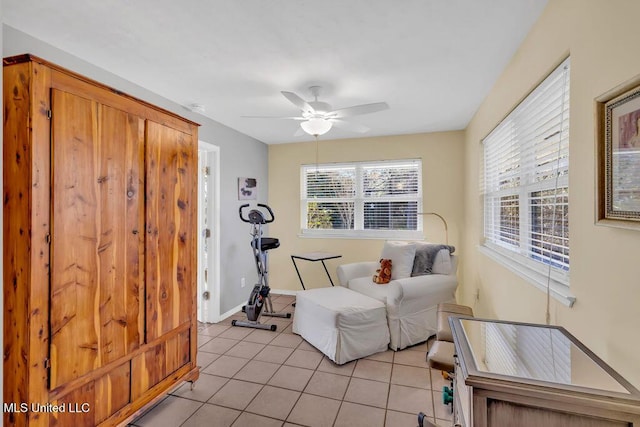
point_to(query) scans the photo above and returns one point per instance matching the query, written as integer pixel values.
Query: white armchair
(411, 302)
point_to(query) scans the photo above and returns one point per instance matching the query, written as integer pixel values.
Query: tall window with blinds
(526, 179)
(371, 199)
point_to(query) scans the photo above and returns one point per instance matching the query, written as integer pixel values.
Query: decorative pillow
(442, 263)
(401, 254)
(383, 274)
(428, 257)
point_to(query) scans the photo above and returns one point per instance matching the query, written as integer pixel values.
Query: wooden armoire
(100, 200)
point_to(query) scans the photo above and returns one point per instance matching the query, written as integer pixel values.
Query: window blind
(525, 177)
(362, 196)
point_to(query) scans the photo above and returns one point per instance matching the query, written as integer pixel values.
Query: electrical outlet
(243, 283)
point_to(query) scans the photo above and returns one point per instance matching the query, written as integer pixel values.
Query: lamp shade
(316, 126)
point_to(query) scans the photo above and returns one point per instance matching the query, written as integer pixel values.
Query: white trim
(362, 234)
(212, 310)
(558, 290)
(229, 313)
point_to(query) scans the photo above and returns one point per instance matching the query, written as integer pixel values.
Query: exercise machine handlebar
(255, 216)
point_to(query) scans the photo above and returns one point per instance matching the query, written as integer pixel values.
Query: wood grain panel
(67, 81)
(120, 220)
(177, 352)
(147, 370)
(171, 182)
(74, 277)
(97, 218)
(25, 226)
(17, 263)
(502, 413)
(156, 393)
(112, 392)
(72, 82)
(79, 410)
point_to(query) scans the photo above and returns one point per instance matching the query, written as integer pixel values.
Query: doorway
(208, 232)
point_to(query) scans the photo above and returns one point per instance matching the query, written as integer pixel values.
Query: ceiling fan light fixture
(316, 126)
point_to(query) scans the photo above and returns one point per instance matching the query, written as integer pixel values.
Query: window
(526, 180)
(365, 199)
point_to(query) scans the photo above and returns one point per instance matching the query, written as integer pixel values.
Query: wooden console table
(526, 375)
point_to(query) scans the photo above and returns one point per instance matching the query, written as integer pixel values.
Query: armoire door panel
(97, 216)
(121, 245)
(75, 414)
(148, 369)
(170, 225)
(112, 392)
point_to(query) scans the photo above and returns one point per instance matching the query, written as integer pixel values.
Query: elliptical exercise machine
(259, 300)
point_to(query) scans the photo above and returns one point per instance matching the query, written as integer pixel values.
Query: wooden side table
(511, 373)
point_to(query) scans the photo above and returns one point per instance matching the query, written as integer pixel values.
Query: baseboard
(239, 307)
(230, 313)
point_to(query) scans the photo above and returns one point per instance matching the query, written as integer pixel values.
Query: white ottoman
(343, 324)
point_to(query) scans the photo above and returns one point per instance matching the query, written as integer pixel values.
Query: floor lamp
(444, 222)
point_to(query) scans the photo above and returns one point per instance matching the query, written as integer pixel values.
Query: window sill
(361, 234)
(558, 290)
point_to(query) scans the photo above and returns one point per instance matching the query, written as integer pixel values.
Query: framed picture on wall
(247, 188)
(618, 155)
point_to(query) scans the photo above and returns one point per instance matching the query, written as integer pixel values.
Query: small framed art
(247, 189)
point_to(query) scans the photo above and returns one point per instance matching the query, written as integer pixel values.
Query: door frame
(209, 311)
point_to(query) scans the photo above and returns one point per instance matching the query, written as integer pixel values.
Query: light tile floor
(252, 377)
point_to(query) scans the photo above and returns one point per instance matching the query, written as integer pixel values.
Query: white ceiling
(432, 61)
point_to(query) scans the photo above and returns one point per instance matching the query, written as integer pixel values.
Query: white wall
(240, 155)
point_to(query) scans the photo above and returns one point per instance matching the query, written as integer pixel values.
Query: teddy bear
(383, 274)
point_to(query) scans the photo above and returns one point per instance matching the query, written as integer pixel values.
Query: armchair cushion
(401, 255)
(432, 258)
(351, 271)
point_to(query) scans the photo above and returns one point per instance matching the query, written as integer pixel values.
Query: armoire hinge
(47, 363)
(49, 114)
(47, 238)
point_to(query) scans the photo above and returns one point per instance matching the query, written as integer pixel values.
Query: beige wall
(442, 157)
(602, 38)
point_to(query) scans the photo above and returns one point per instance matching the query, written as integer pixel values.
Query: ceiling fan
(319, 117)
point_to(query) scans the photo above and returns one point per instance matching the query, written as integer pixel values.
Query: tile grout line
(194, 412)
(314, 371)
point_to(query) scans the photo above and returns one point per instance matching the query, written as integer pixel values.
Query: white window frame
(517, 257)
(359, 199)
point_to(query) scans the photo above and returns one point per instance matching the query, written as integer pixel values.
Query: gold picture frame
(618, 156)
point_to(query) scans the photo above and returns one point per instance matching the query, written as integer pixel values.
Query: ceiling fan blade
(273, 117)
(357, 110)
(353, 127)
(299, 132)
(298, 102)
